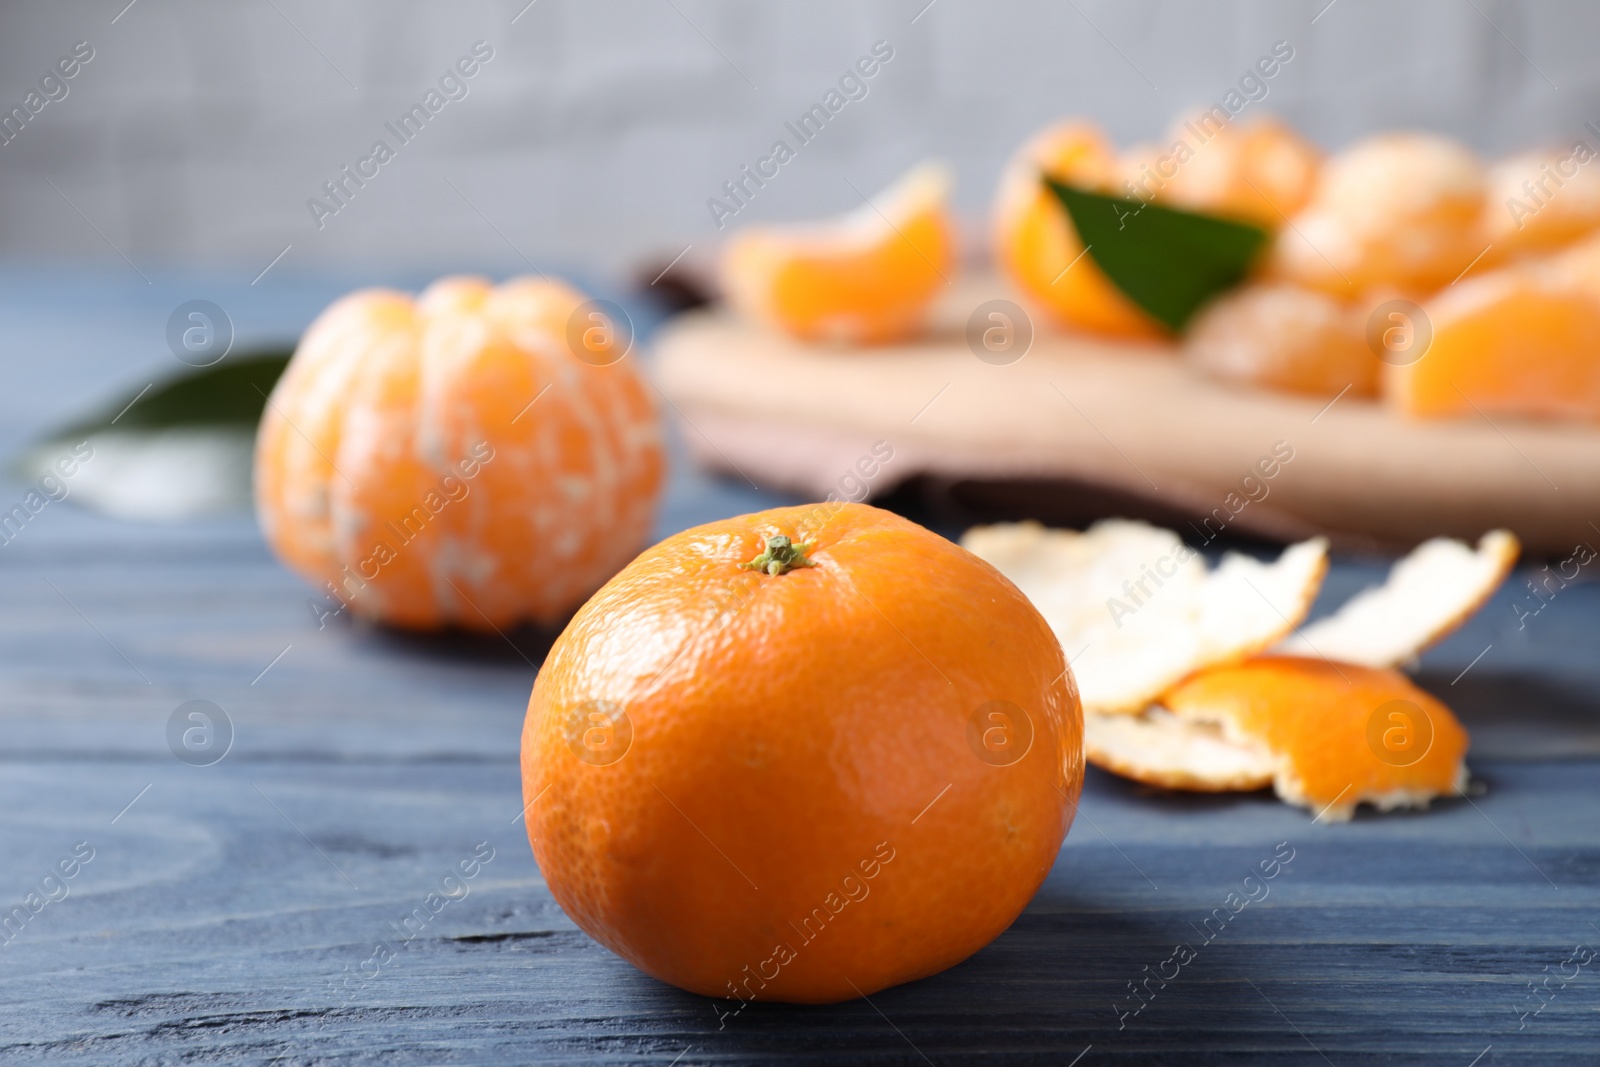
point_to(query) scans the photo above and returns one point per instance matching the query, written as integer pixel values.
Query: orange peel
(1279, 720)
(1427, 596)
(1159, 748)
(1137, 610)
(1342, 735)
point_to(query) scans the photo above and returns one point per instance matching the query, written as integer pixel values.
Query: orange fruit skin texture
(788, 733)
(829, 286)
(1516, 342)
(1316, 714)
(1035, 241)
(405, 423)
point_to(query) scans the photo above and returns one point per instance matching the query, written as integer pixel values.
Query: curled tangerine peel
(802, 813)
(1317, 717)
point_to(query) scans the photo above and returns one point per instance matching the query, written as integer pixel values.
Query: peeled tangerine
(475, 457)
(867, 277)
(1539, 201)
(1039, 249)
(801, 755)
(1261, 172)
(1524, 340)
(1399, 209)
(1278, 335)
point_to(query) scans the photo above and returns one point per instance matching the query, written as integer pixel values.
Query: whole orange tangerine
(801, 755)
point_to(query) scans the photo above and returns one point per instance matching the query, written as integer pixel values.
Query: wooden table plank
(224, 909)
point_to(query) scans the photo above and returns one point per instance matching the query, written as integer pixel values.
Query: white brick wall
(599, 129)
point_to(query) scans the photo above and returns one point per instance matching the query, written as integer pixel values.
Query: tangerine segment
(1400, 209)
(1343, 734)
(1278, 335)
(865, 278)
(1037, 245)
(1516, 342)
(849, 773)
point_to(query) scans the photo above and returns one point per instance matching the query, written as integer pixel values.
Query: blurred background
(596, 133)
(187, 155)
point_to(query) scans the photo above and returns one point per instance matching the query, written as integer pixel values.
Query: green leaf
(1167, 261)
(176, 449)
(231, 393)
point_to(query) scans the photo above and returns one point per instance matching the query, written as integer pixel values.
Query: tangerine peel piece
(1343, 735)
(1427, 596)
(1158, 748)
(1137, 610)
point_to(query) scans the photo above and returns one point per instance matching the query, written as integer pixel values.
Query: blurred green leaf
(180, 448)
(1167, 261)
(231, 393)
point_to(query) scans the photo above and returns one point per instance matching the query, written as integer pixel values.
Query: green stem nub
(781, 555)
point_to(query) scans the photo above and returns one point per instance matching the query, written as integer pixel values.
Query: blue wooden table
(234, 912)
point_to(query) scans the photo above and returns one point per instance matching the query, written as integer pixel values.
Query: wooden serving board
(1089, 415)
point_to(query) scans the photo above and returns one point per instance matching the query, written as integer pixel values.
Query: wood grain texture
(223, 910)
(1130, 418)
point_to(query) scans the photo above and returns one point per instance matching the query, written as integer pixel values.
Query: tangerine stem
(781, 555)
